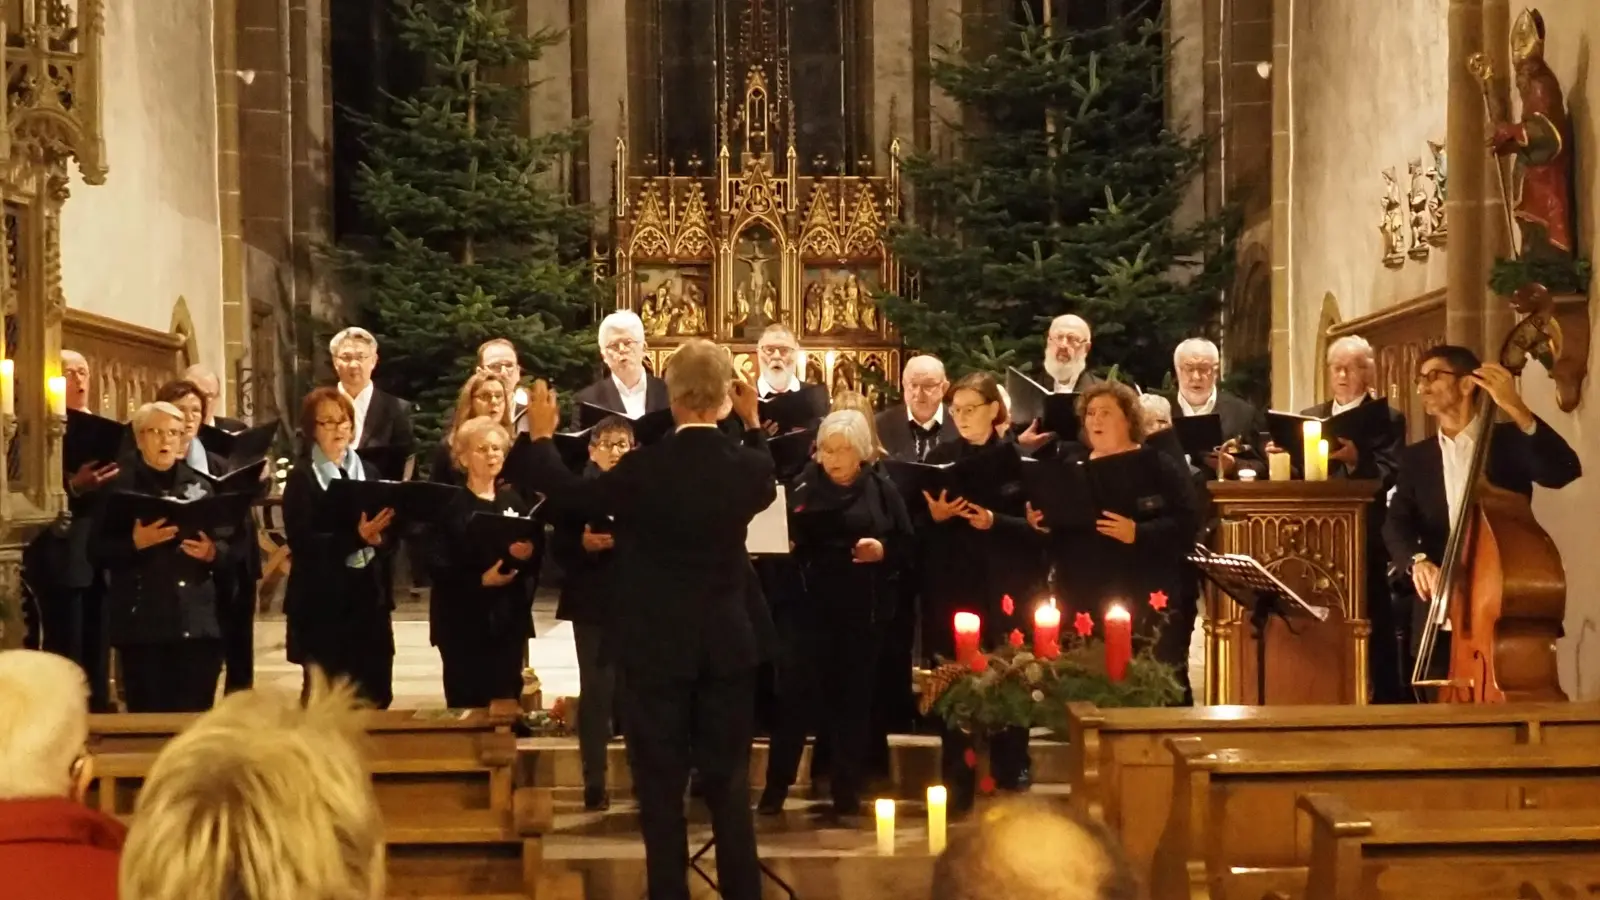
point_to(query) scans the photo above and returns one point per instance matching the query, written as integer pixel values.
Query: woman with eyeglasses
(483, 395)
(482, 615)
(336, 601)
(160, 589)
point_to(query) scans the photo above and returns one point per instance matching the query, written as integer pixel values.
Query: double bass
(1502, 588)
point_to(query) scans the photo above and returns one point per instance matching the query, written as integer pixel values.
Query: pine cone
(937, 682)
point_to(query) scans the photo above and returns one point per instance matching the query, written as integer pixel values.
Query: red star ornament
(1158, 600)
(1083, 624)
(970, 758)
(1007, 605)
(979, 663)
(1015, 637)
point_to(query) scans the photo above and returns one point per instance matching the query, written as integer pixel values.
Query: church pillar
(550, 103)
(1470, 177)
(893, 63)
(1283, 325)
(1498, 317)
(603, 78)
(235, 311)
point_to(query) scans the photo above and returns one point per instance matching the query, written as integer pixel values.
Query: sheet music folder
(1252, 586)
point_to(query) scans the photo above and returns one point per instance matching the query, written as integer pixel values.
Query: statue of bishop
(1542, 146)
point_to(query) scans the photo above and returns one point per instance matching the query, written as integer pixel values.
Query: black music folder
(93, 439)
(391, 462)
(414, 501)
(1030, 400)
(239, 448)
(794, 410)
(572, 446)
(647, 429)
(791, 451)
(981, 474)
(1363, 426)
(244, 480)
(1199, 435)
(492, 534)
(1166, 441)
(1078, 492)
(216, 515)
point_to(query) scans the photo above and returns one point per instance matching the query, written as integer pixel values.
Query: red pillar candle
(968, 626)
(1047, 631)
(1119, 642)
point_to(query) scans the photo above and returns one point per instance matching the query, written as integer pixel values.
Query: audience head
(355, 355)
(190, 400)
(498, 357)
(1112, 418)
(844, 442)
(1030, 848)
(1156, 412)
(1066, 351)
(622, 345)
(44, 726)
(210, 387)
(1197, 362)
(75, 369)
(260, 799)
(1352, 368)
(924, 385)
(698, 377)
(158, 430)
(479, 447)
(779, 353)
(978, 407)
(328, 420)
(1443, 379)
(858, 401)
(609, 441)
(484, 394)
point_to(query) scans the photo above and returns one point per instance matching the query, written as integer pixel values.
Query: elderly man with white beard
(1066, 354)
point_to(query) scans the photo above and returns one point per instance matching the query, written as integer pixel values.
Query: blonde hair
(260, 799)
(473, 429)
(143, 415)
(469, 390)
(857, 402)
(44, 723)
(698, 376)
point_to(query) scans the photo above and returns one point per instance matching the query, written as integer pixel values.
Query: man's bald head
(209, 385)
(75, 369)
(924, 385)
(1030, 848)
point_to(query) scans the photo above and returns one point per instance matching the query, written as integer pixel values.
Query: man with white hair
(382, 420)
(1066, 354)
(51, 844)
(911, 430)
(210, 387)
(1198, 364)
(627, 388)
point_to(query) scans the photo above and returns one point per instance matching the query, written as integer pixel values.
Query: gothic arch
(1326, 320)
(1249, 320)
(183, 327)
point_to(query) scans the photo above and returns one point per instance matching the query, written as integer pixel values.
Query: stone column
(235, 311)
(1283, 325)
(1469, 181)
(1498, 317)
(606, 79)
(892, 92)
(550, 101)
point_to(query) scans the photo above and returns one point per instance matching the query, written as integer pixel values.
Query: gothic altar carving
(723, 248)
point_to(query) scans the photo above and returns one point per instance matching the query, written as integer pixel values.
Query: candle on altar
(885, 811)
(1322, 460)
(8, 387)
(1279, 466)
(56, 393)
(827, 370)
(1311, 435)
(1119, 642)
(968, 626)
(1047, 631)
(938, 802)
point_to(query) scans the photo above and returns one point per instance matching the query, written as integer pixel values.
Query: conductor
(683, 627)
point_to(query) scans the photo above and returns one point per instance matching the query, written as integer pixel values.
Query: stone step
(554, 762)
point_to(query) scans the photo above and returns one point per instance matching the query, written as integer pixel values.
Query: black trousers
(236, 618)
(597, 692)
(821, 690)
(705, 723)
(1008, 759)
(171, 676)
(475, 673)
(369, 664)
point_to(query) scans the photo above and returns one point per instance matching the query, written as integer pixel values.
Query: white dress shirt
(1202, 410)
(764, 389)
(1338, 407)
(1457, 455)
(633, 399)
(938, 418)
(362, 402)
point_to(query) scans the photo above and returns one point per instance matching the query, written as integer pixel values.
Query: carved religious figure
(1439, 174)
(1541, 144)
(1421, 219)
(837, 303)
(1393, 223)
(675, 307)
(755, 297)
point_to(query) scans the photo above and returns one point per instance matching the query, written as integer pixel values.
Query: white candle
(8, 387)
(1322, 460)
(885, 810)
(56, 393)
(1279, 466)
(828, 360)
(1311, 434)
(938, 799)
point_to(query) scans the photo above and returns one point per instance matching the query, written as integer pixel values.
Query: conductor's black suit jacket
(684, 595)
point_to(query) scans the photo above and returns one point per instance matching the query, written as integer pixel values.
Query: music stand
(1253, 587)
(694, 866)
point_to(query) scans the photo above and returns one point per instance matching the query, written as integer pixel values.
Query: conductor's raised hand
(521, 550)
(746, 402)
(200, 547)
(496, 576)
(146, 535)
(371, 530)
(1036, 519)
(544, 413)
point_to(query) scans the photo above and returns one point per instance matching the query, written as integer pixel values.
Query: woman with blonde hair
(484, 394)
(858, 401)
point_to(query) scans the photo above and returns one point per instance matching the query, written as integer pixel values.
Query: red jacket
(58, 849)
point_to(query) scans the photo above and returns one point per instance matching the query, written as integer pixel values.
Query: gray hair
(698, 376)
(1195, 346)
(145, 413)
(852, 425)
(924, 361)
(44, 723)
(353, 333)
(1354, 343)
(625, 321)
(1155, 403)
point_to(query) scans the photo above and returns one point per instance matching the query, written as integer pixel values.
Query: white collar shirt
(362, 402)
(633, 399)
(1204, 409)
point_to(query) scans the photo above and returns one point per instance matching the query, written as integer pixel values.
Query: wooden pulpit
(1313, 536)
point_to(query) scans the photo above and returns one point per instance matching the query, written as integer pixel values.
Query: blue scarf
(349, 467)
(196, 457)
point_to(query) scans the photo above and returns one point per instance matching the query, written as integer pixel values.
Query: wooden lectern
(1313, 536)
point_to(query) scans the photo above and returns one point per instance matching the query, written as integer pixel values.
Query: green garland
(1565, 276)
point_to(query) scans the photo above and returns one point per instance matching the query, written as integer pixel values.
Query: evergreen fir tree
(471, 235)
(1060, 197)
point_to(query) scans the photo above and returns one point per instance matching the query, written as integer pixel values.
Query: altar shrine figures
(755, 292)
(672, 303)
(837, 302)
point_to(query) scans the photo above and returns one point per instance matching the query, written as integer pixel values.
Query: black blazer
(388, 423)
(603, 393)
(894, 431)
(585, 576)
(328, 603)
(1239, 418)
(1086, 379)
(1419, 514)
(232, 426)
(685, 594)
(1381, 460)
(462, 612)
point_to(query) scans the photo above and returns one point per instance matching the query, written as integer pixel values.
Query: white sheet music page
(769, 530)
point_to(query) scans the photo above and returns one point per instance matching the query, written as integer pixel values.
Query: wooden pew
(1418, 855)
(1233, 829)
(1121, 771)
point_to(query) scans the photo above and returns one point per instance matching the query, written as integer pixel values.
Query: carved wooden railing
(127, 363)
(1398, 335)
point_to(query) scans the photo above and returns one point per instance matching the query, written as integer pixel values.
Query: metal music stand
(694, 866)
(1258, 590)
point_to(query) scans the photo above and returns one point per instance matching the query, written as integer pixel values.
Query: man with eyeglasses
(911, 430)
(1066, 354)
(498, 357)
(210, 387)
(1198, 364)
(627, 388)
(382, 420)
(1432, 481)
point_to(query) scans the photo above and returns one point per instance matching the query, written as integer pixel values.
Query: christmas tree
(1061, 196)
(471, 234)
